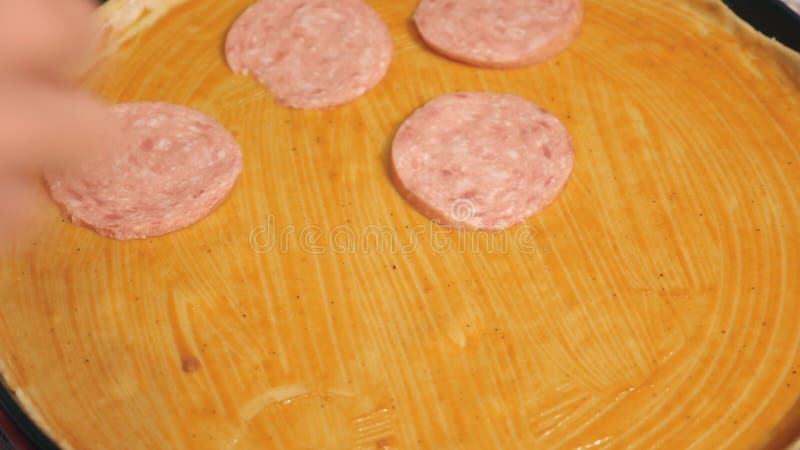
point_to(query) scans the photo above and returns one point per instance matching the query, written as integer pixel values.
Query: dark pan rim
(38, 438)
(772, 18)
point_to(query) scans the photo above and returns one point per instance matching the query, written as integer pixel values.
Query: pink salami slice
(499, 34)
(175, 167)
(311, 53)
(481, 160)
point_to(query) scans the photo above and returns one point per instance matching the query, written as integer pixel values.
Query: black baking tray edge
(773, 18)
(38, 439)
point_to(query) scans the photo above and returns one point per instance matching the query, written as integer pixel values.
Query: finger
(50, 125)
(47, 36)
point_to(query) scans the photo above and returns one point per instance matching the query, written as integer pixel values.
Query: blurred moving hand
(45, 121)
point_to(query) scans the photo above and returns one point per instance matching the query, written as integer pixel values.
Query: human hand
(45, 120)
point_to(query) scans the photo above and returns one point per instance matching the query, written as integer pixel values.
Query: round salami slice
(174, 167)
(499, 34)
(311, 54)
(481, 160)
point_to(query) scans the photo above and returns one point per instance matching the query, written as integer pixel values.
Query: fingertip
(46, 125)
(44, 36)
